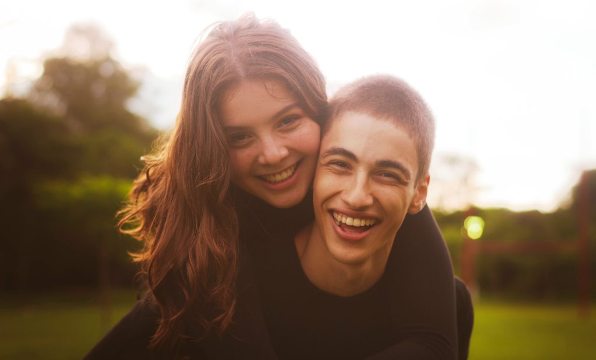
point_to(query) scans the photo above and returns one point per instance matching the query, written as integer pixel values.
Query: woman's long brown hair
(180, 205)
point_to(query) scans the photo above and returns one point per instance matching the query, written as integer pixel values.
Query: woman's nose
(273, 150)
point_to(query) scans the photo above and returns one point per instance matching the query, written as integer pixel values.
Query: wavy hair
(180, 205)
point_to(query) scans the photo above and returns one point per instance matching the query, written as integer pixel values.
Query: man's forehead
(369, 138)
(355, 123)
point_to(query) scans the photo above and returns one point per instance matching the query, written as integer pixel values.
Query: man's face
(364, 186)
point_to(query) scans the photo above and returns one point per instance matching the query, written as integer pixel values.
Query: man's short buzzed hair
(387, 97)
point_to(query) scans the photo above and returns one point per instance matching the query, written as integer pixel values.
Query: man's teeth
(280, 176)
(356, 222)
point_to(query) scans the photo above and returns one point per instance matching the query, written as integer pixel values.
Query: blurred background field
(65, 326)
(513, 330)
(56, 326)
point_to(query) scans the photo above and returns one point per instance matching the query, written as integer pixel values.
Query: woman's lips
(280, 176)
(281, 180)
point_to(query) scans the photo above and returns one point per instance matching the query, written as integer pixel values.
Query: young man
(372, 171)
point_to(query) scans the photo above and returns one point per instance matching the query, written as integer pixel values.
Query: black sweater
(419, 276)
(305, 322)
(420, 291)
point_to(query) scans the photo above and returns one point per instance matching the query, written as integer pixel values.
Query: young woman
(233, 177)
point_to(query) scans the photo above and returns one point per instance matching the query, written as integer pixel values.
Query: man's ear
(419, 199)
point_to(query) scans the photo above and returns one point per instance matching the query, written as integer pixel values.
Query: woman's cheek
(312, 138)
(239, 162)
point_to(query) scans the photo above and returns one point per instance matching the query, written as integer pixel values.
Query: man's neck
(332, 276)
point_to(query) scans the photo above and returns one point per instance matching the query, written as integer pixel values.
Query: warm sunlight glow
(474, 226)
(508, 89)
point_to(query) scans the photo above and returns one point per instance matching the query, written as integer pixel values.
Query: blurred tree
(590, 192)
(581, 202)
(521, 274)
(583, 196)
(92, 98)
(79, 218)
(88, 93)
(91, 90)
(34, 145)
(86, 42)
(65, 157)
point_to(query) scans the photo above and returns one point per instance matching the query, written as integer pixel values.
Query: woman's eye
(289, 120)
(239, 139)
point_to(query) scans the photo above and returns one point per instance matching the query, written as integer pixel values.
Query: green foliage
(589, 192)
(67, 161)
(33, 144)
(74, 224)
(93, 93)
(93, 97)
(88, 204)
(112, 152)
(538, 274)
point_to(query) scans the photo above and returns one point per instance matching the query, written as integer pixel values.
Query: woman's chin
(287, 200)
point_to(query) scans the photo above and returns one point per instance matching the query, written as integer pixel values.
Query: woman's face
(273, 143)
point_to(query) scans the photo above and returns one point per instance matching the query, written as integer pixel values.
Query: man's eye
(338, 164)
(387, 175)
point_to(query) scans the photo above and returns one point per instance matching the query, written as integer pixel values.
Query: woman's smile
(273, 143)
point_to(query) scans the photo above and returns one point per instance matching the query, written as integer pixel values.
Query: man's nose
(358, 195)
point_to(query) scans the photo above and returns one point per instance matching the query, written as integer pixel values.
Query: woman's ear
(419, 198)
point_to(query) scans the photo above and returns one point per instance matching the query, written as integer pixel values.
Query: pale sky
(512, 84)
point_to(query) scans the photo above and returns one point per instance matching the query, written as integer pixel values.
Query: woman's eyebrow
(277, 114)
(285, 109)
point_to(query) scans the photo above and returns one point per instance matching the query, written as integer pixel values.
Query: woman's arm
(422, 292)
(246, 339)
(129, 339)
(248, 336)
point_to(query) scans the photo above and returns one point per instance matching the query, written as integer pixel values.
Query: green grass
(63, 326)
(532, 331)
(66, 326)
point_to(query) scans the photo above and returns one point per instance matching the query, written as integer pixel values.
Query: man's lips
(352, 222)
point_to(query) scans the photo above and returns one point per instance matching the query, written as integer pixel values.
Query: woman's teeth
(350, 221)
(280, 176)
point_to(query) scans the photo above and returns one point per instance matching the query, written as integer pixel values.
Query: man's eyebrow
(276, 115)
(394, 165)
(339, 151)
